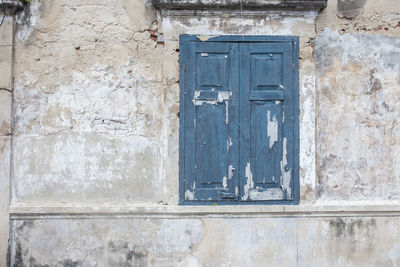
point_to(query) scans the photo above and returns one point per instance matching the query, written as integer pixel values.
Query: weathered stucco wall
(358, 127)
(358, 122)
(95, 140)
(6, 40)
(208, 242)
(88, 104)
(101, 125)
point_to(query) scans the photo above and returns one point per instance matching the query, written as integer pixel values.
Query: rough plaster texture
(93, 121)
(358, 135)
(350, 8)
(357, 103)
(96, 107)
(6, 31)
(328, 241)
(107, 113)
(5, 66)
(6, 38)
(115, 90)
(4, 196)
(5, 112)
(376, 17)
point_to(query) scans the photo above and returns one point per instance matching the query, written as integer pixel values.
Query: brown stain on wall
(376, 84)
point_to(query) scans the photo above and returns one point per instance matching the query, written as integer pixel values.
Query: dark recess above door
(295, 5)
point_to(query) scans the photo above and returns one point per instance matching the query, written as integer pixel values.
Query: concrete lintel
(306, 5)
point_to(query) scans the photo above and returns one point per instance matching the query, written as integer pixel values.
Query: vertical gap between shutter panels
(239, 173)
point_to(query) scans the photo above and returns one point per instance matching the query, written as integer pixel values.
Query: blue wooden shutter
(239, 138)
(268, 122)
(209, 123)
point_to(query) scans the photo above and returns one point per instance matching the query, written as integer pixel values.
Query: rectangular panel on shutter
(211, 121)
(267, 122)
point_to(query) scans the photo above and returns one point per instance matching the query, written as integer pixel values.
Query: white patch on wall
(106, 99)
(84, 166)
(91, 135)
(307, 132)
(173, 237)
(27, 20)
(190, 261)
(273, 23)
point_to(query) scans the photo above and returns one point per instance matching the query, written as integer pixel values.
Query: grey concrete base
(360, 241)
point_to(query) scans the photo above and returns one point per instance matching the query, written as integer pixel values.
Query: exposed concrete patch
(74, 167)
(6, 31)
(5, 112)
(106, 99)
(350, 8)
(172, 26)
(375, 17)
(5, 66)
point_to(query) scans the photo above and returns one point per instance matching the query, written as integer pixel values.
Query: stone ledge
(296, 5)
(76, 210)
